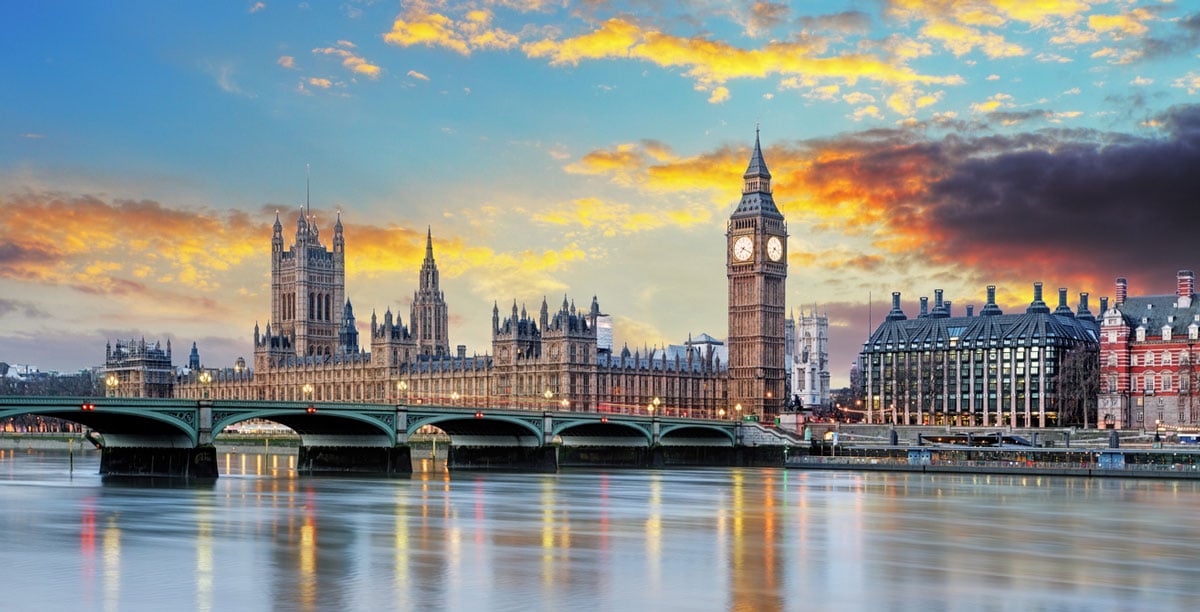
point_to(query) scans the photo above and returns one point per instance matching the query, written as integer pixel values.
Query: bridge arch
(694, 434)
(126, 420)
(299, 420)
(597, 432)
(461, 427)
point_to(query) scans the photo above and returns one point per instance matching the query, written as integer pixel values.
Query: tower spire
(308, 202)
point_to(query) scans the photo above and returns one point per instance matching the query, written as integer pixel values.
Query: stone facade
(1149, 370)
(135, 369)
(756, 269)
(807, 342)
(556, 360)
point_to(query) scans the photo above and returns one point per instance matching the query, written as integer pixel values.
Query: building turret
(896, 314)
(1063, 309)
(1037, 306)
(194, 358)
(348, 334)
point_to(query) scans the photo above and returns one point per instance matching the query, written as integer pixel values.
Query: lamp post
(454, 397)
(721, 413)
(549, 395)
(738, 408)
(205, 379)
(565, 403)
(111, 382)
(307, 389)
(655, 402)
(402, 392)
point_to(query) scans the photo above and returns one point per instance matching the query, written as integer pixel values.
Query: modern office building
(990, 369)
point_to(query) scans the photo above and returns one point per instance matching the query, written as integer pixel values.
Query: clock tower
(756, 267)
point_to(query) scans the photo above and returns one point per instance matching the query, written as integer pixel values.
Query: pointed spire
(429, 243)
(757, 167)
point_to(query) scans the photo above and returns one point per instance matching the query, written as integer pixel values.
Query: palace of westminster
(558, 359)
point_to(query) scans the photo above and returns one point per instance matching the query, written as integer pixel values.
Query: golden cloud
(1131, 23)
(350, 61)
(419, 27)
(87, 243)
(713, 62)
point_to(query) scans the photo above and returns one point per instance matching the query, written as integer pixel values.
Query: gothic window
(1112, 360)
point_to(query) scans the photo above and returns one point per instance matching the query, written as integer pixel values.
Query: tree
(1078, 385)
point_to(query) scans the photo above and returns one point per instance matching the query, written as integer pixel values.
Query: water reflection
(734, 539)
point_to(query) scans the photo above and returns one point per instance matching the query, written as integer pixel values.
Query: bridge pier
(543, 459)
(355, 459)
(200, 462)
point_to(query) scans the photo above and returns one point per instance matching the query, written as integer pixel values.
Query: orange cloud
(86, 243)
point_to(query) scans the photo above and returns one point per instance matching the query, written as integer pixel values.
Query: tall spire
(756, 186)
(429, 244)
(307, 192)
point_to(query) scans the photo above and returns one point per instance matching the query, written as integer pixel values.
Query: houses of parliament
(556, 359)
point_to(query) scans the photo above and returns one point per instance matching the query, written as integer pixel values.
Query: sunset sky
(582, 149)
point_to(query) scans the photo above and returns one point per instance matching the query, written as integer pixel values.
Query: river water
(261, 538)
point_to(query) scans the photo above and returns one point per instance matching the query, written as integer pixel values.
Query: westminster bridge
(174, 437)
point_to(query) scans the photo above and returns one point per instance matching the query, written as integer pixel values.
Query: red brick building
(1149, 358)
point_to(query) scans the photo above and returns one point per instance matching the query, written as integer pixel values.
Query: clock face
(775, 248)
(743, 248)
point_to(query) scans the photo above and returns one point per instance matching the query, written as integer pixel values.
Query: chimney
(990, 308)
(896, 314)
(924, 307)
(946, 308)
(1122, 290)
(1083, 312)
(1063, 309)
(970, 310)
(937, 298)
(1037, 305)
(1103, 304)
(1186, 283)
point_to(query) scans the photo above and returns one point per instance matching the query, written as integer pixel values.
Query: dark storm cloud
(1183, 39)
(1093, 205)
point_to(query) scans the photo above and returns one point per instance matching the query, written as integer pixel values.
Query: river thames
(261, 538)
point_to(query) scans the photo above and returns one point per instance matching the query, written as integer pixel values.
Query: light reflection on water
(261, 537)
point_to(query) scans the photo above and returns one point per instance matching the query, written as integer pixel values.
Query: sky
(583, 149)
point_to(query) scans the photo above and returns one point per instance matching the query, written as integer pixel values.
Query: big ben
(756, 266)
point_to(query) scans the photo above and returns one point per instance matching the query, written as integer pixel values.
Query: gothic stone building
(807, 345)
(1148, 358)
(988, 370)
(135, 369)
(554, 361)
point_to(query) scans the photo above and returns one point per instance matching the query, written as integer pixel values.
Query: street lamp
(565, 403)
(721, 413)
(656, 402)
(549, 395)
(205, 378)
(307, 389)
(738, 408)
(402, 391)
(454, 397)
(111, 382)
